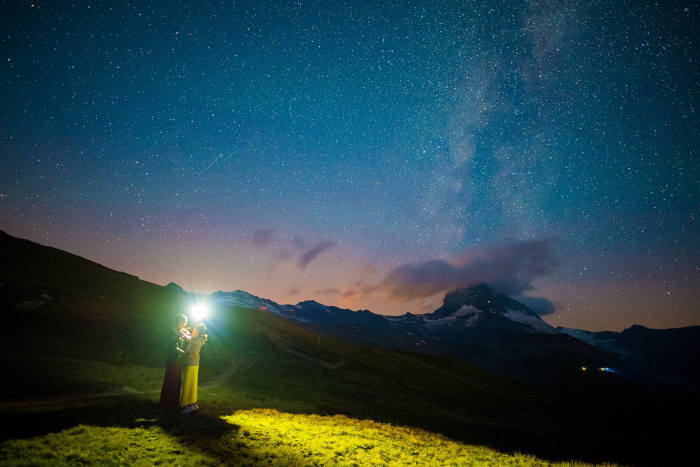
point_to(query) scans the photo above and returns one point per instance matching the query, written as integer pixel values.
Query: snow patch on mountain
(464, 310)
(246, 300)
(519, 316)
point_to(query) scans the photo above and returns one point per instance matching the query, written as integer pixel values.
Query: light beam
(198, 312)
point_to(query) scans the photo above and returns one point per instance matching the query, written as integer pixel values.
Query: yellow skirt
(190, 375)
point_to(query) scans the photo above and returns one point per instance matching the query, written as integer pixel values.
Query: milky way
(318, 149)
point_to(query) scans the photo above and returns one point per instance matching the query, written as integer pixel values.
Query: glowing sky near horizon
(365, 154)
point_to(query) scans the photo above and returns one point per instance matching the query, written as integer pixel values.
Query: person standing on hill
(188, 398)
(170, 394)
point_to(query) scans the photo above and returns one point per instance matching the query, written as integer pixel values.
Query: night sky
(365, 154)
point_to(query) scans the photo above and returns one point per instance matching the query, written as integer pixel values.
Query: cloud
(539, 305)
(367, 270)
(298, 243)
(280, 244)
(509, 267)
(310, 254)
(328, 291)
(349, 293)
(262, 237)
(295, 290)
(355, 294)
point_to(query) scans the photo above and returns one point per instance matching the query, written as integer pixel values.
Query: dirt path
(124, 391)
(229, 372)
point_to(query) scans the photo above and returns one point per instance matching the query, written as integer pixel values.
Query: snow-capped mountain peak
(481, 303)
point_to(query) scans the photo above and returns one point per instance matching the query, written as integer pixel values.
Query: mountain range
(475, 325)
(500, 334)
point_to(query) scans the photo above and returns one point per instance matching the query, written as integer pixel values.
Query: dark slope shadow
(199, 430)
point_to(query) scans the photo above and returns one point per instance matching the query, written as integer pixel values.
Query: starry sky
(365, 154)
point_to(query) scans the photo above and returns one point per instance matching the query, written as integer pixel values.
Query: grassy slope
(255, 436)
(103, 330)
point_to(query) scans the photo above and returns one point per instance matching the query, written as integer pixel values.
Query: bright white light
(199, 311)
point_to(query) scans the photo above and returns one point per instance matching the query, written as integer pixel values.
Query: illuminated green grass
(254, 437)
(93, 445)
(322, 440)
